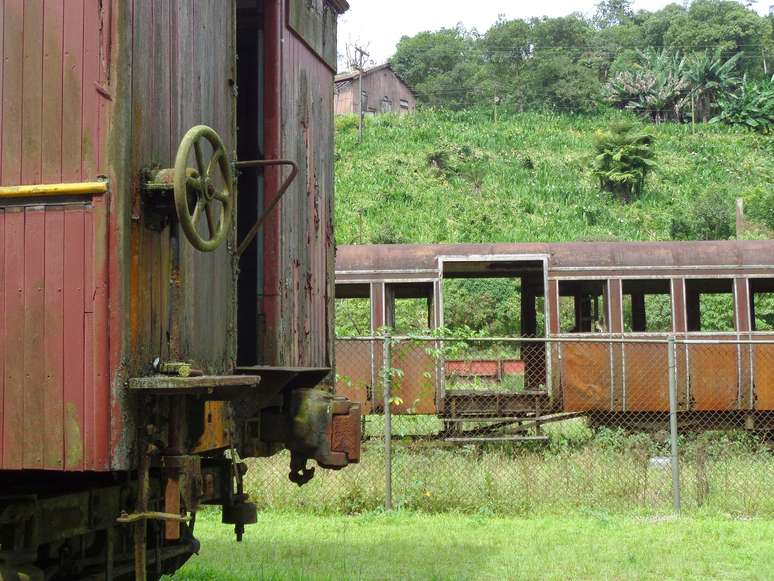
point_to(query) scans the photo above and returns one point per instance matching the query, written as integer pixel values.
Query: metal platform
(208, 387)
(493, 404)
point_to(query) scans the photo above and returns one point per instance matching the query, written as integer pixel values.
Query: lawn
(452, 546)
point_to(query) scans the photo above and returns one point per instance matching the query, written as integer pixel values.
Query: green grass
(527, 178)
(286, 546)
(577, 470)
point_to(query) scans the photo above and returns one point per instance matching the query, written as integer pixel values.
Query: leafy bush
(752, 107)
(655, 86)
(664, 85)
(710, 218)
(624, 159)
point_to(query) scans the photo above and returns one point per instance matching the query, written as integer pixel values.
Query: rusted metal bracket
(280, 193)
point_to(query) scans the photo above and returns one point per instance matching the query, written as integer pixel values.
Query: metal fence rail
(528, 425)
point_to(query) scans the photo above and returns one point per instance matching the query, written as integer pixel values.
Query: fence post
(675, 462)
(387, 387)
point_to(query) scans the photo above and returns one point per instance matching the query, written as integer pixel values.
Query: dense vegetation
(673, 63)
(442, 176)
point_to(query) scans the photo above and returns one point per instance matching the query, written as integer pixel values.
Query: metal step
(557, 417)
(473, 439)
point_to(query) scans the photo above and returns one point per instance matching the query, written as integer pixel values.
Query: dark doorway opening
(250, 145)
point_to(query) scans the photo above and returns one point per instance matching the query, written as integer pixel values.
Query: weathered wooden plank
(54, 340)
(74, 333)
(53, 25)
(2, 111)
(32, 88)
(315, 22)
(101, 352)
(3, 286)
(13, 280)
(89, 346)
(91, 73)
(13, 47)
(34, 325)
(72, 91)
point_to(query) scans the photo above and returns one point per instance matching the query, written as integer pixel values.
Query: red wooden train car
(166, 262)
(585, 291)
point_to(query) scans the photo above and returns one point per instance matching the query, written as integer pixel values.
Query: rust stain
(215, 435)
(74, 448)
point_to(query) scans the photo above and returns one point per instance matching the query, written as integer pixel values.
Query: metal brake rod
(280, 193)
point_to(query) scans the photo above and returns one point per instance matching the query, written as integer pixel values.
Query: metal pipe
(673, 424)
(280, 193)
(566, 339)
(387, 386)
(42, 190)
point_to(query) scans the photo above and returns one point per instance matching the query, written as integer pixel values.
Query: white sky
(381, 24)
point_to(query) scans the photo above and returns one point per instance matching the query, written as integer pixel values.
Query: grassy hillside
(439, 176)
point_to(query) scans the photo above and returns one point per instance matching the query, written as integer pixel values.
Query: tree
(442, 67)
(710, 76)
(725, 26)
(613, 13)
(624, 157)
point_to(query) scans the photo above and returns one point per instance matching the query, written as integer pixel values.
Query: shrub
(751, 107)
(624, 158)
(712, 217)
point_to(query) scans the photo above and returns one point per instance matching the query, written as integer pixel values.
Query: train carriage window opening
(499, 298)
(647, 306)
(353, 310)
(489, 306)
(710, 306)
(409, 308)
(762, 304)
(583, 306)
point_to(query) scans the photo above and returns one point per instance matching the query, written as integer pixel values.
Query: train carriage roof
(407, 257)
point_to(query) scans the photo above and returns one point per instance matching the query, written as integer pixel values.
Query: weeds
(578, 470)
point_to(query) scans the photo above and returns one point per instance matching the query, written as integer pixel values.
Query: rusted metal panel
(353, 372)
(416, 384)
(714, 376)
(646, 377)
(764, 377)
(577, 259)
(585, 376)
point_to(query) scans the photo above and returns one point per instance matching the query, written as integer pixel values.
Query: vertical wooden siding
(54, 415)
(306, 228)
(182, 65)
(52, 64)
(53, 256)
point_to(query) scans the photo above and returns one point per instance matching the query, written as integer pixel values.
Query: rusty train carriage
(153, 328)
(599, 379)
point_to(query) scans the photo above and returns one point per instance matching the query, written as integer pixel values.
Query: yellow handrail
(41, 190)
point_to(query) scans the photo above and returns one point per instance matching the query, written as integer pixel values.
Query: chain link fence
(523, 426)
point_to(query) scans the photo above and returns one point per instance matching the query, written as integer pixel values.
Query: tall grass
(577, 471)
(438, 176)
